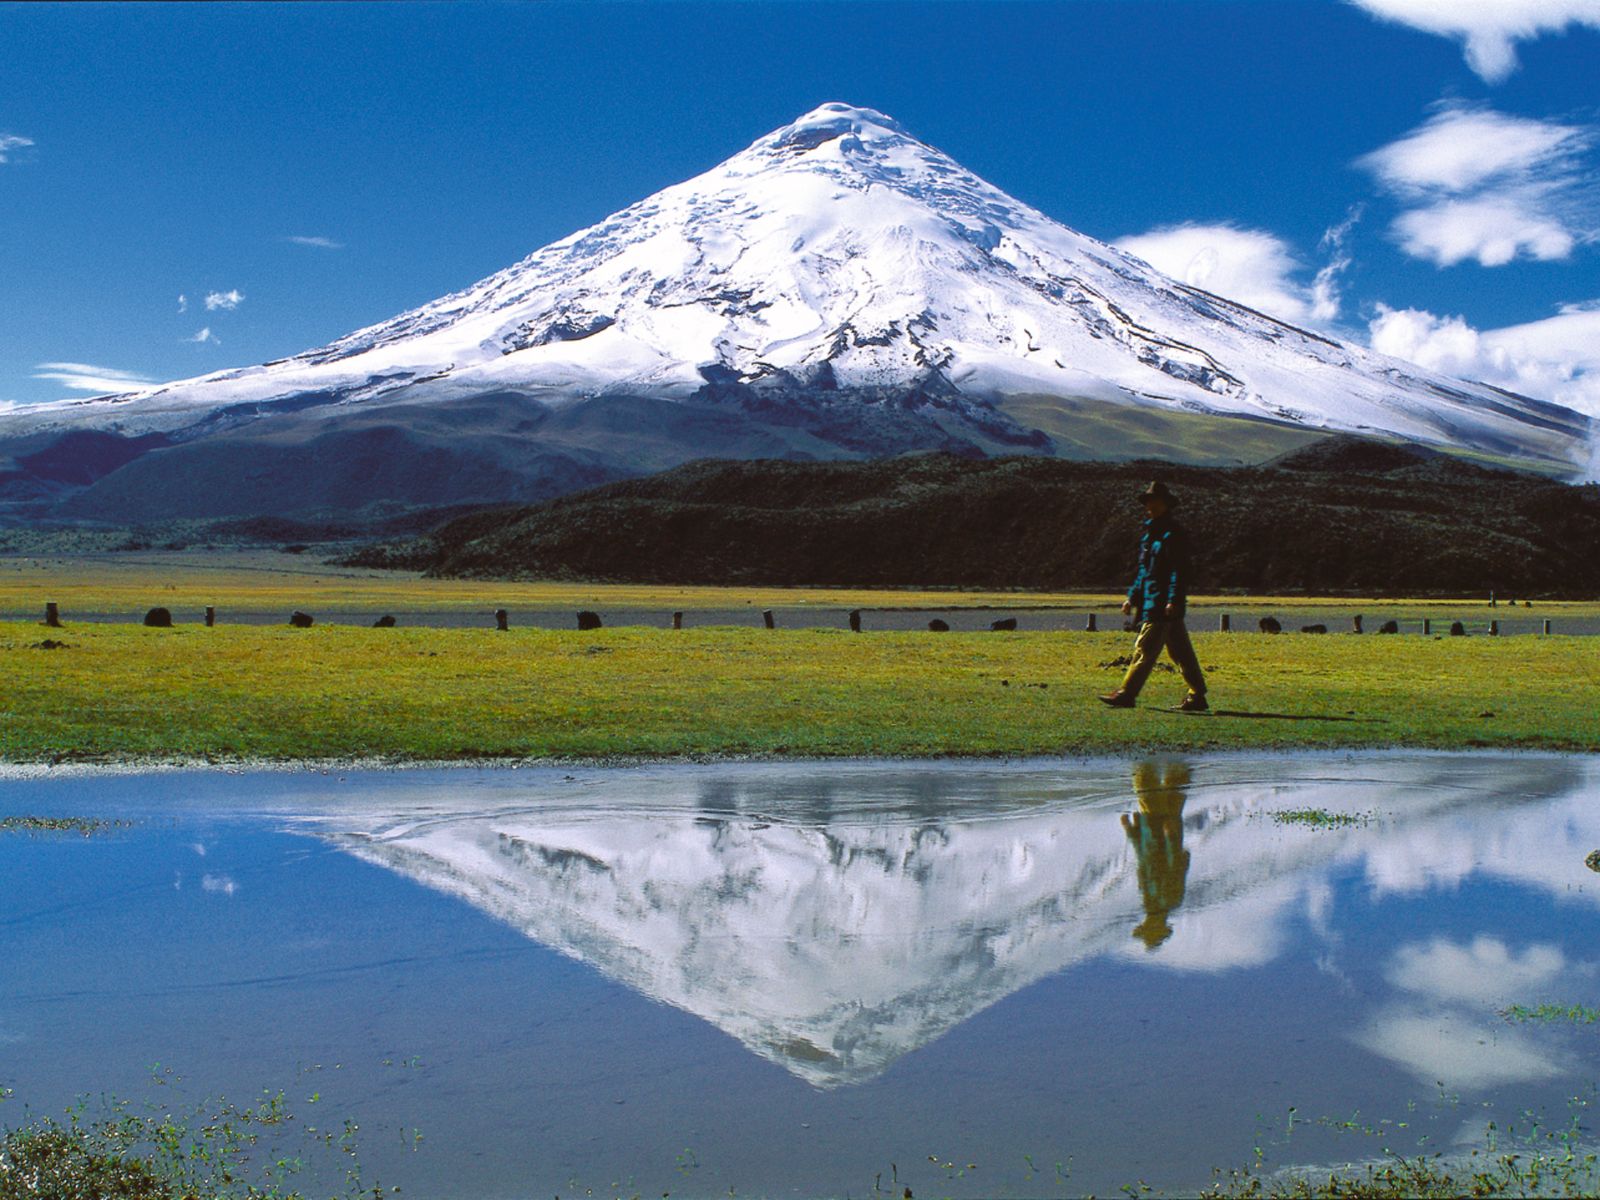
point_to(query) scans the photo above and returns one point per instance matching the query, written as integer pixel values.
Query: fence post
(1355, 624)
(766, 618)
(52, 615)
(1427, 626)
(502, 620)
(1089, 626)
(855, 620)
(1224, 623)
(1494, 628)
(211, 615)
(1547, 626)
(677, 620)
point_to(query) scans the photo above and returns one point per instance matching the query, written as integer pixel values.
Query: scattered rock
(1457, 629)
(301, 620)
(938, 626)
(1389, 627)
(384, 622)
(1313, 629)
(50, 644)
(159, 618)
(1004, 625)
(588, 620)
(1270, 625)
(1488, 712)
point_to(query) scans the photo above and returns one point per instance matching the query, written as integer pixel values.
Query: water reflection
(833, 920)
(1156, 832)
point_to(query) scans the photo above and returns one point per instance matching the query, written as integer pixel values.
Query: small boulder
(1270, 625)
(1313, 629)
(1004, 625)
(159, 618)
(588, 620)
(301, 620)
(384, 622)
(938, 626)
(1457, 629)
(1389, 627)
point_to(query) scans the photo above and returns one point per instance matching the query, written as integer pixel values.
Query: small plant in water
(1549, 1014)
(83, 826)
(1321, 818)
(117, 1151)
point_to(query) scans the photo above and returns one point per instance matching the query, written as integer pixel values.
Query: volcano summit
(838, 289)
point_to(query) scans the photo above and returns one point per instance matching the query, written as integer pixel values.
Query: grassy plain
(119, 692)
(258, 580)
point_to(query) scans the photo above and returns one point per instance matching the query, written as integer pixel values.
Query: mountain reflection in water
(833, 919)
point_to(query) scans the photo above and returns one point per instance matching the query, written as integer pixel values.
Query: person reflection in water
(1156, 832)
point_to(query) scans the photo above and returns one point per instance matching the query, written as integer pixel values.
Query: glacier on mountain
(839, 257)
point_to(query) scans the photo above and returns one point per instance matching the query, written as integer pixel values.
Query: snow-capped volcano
(839, 263)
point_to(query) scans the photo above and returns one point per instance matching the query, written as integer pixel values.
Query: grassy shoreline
(125, 694)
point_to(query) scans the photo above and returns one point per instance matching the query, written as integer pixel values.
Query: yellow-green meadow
(124, 693)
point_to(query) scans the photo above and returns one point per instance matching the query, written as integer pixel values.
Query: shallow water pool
(820, 979)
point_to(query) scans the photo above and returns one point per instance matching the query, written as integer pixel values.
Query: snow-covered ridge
(840, 251)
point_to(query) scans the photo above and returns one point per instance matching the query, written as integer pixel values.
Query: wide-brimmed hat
(1158, 491)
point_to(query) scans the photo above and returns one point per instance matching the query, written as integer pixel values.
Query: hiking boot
(1117, 700)
(1194, 702)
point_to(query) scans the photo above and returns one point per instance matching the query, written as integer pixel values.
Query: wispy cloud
(10, 142)
(1488, 30)
(1486, 186)
(1557, 358)
(322, 243)
(1252, 266)
(226, 301)
(183, 303)
(86, 377)
(205, 335)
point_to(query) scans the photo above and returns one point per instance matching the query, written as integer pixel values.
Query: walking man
(1157, 600)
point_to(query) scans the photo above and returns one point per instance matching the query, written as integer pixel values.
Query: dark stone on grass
(158, 618)
(384, 622)
(502, 620)
(301, 620)
(855, 620)
(50, 644)
(938, 626)
(1389, 627)
(1313, 629)
(1270, 625)
(1457, 629)
(588, 620)
(1004, 625)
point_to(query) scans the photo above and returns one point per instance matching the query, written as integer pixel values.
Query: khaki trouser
(1153, 635)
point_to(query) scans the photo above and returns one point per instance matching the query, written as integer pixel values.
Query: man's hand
(1127, 608)
(1172, 612)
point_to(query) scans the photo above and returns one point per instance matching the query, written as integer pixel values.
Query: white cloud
(1483, 185)
(322, 243)
(1557, 358)
(1494, 230)
(227, 301)
(1461, 148)
(1484, 972)
(221, 884)
(86, 377)
(1252, 266)
(205, 335)
(10, 142)
(183, 303)
(1455, 1048)
(1488, 29)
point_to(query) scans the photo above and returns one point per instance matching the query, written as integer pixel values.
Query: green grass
(122, 692)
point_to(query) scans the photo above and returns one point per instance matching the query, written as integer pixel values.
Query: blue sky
(1385, 169)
